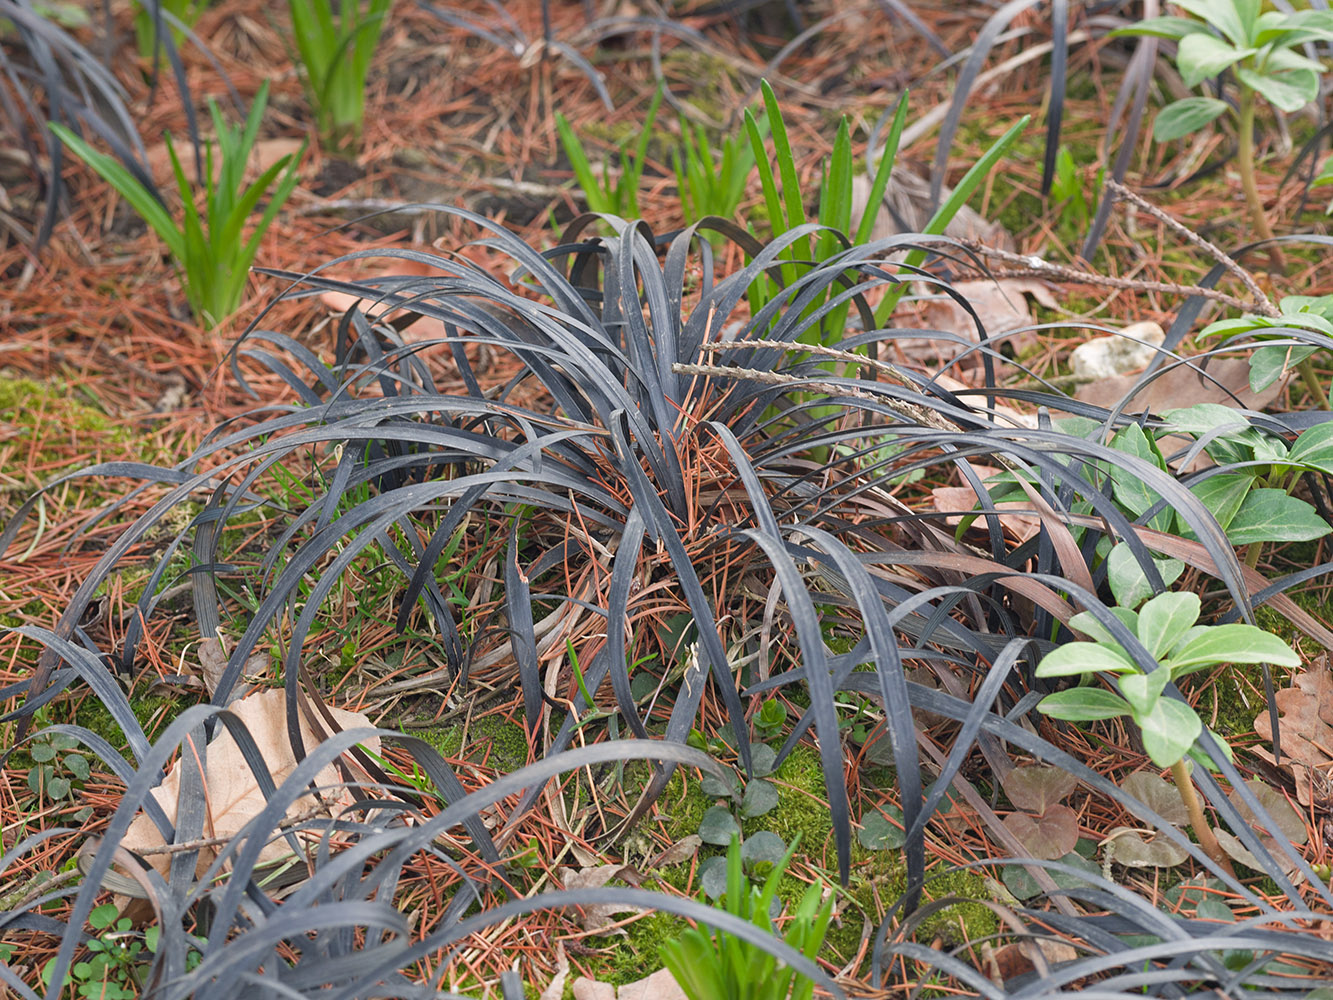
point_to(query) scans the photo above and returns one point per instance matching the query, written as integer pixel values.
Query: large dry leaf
(599, 916)
(213, 662)
(266, 153)
(906, 209)
(1288, 821)
(1306, 731)
(661, 985)
(1016, 517)
(1182, 386)
(1001, 306)
(233, 794)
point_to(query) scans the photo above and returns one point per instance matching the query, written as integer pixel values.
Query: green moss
(802, 807)
(32, 404)
(92, 714)
(492, 740)
(629, 957)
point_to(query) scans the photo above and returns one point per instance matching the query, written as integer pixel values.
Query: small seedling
(612, 193)
(720, 966)
(56, 773)
(110, 971)
(208, 249)
(335, 44)
(1170, 728)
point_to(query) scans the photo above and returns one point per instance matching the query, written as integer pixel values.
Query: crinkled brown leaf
(1000, 305)
(213, 661)
(1306, 728)
(1048, 836)
(1181, 386)
(601, 915)
(684, 849)
(1288, 821)
(233, 794)
(1038, 787)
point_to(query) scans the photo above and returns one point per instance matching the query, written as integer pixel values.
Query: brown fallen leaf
(1020, 958)
(661, 985)
(1181, 387)
(1306, 733)
(599, 915)
(1016, 517)
(1001, 306)
(213, 662)
(266, 153)
(233, 794)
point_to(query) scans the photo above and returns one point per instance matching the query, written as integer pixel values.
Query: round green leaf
(720, 787)
(713, 877)
(764, 847)
(57, 788)
(718, 826)
(762, 757)
(760, 797)
(42, 752)
(878, 833)
(78, 766)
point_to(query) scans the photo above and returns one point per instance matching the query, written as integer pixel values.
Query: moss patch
(492, 741)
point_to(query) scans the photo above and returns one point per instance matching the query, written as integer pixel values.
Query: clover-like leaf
(1160, 796)
(713, 877)
(1128, 848)
(879, 833)
(764, 847)
(760, 797)
(718, 826)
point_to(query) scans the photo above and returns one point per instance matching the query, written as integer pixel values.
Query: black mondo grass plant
(635, 461)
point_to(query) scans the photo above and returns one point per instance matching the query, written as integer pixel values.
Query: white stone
(1128, 351)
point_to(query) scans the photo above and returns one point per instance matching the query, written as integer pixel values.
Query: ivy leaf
(1223, 494)
(1083, 705)
(760, 797)
(878, 833)
(1160, 796)
(1314, 448)
(1270, 515)
(713, 877)
(1084, 658)
(724, 787)
(1168, 730)
(1268, 364)
(1017, 880)
(1232, 643)
(1202, 56)
(1164, 619)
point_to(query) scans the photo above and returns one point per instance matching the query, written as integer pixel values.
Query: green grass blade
(127, 186)
(578, 161)
(881, 181)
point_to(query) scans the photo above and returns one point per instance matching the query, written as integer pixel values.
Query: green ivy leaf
(1168, 730)
(1202, 56)
(1084, 658)
(1222, 494)
(1084, 705)
(1269, 515)
(1164, 619)
(1314, 448)
(1268, 364)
